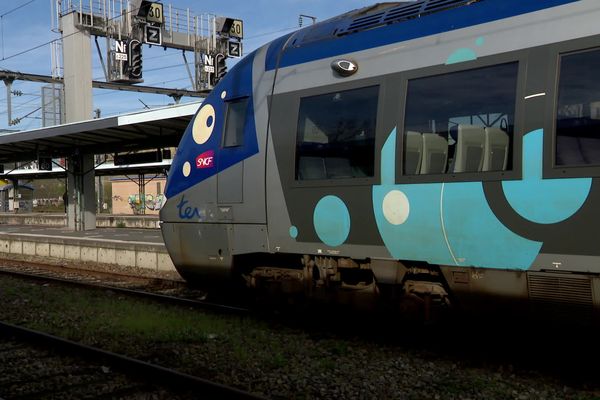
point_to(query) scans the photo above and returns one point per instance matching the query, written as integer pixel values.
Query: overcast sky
(27, 24)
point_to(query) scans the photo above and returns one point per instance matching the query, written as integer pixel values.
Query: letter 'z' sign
(234, 49)
(153, 35)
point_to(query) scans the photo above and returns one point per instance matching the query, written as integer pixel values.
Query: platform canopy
(152, 129)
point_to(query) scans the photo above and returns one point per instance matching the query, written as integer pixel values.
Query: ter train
(437, 149)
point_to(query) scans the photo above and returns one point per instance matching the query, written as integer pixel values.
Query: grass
(121, 324)
(156, 323)
(111, 315)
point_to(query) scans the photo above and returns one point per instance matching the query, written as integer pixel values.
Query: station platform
(60, 220)
(124, 250)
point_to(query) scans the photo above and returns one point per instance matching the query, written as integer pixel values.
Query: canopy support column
(81, 204)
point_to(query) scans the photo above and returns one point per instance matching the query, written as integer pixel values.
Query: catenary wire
(17, 8)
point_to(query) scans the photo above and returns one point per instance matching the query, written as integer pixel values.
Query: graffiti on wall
(149, 201)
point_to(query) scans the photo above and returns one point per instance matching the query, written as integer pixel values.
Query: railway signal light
(44, 163)
(135, 59)
(220, 68)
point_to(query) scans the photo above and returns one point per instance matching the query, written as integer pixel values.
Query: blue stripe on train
(445, 21)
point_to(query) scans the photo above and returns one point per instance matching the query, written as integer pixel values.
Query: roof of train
(387, 23)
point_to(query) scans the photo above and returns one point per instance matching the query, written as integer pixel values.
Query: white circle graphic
(204, 124)
(187, 169)
(396, 207)
(223, 94)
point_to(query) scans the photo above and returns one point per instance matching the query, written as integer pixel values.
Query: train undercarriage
(423, 291)
(360, 283)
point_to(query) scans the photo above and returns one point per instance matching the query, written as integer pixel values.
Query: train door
(240, 191)
(240, 186)
(230, 182)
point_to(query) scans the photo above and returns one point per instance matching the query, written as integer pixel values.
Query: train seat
(590, 149)
(338, 168)
(470, 145)
(435, 154)
(495, 155)
(413, 152)
(311, 168)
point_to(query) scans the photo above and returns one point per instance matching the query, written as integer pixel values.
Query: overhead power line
(50, 41)
(19, 119)
(17, 8)
(270, 33)
(2, 21)
(20, 105)
(33, 48)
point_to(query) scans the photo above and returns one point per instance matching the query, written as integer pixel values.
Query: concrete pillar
(81, 208)
(15, 195)
(77, 62)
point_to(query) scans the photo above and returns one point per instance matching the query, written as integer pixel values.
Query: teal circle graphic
(480, 41)
(332, 221)
(293, 232)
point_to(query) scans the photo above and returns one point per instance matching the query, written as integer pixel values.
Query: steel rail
(151, 372)
(197, 304)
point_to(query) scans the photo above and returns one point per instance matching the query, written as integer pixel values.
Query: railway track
(92, 275)
(33, 372)
(43, 366)
(161, 290)
(65, 369)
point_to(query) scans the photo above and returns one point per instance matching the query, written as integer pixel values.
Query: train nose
(200, 252)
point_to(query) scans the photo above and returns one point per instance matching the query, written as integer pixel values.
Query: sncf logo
(206, 159)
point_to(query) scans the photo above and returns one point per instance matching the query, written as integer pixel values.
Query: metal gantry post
(142, 193)
(8, 83)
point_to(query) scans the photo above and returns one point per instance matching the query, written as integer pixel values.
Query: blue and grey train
(444, 150)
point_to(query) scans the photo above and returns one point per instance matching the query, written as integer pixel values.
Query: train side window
(234, 123)
(336, 135)
(461, 121)
(578, 110)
